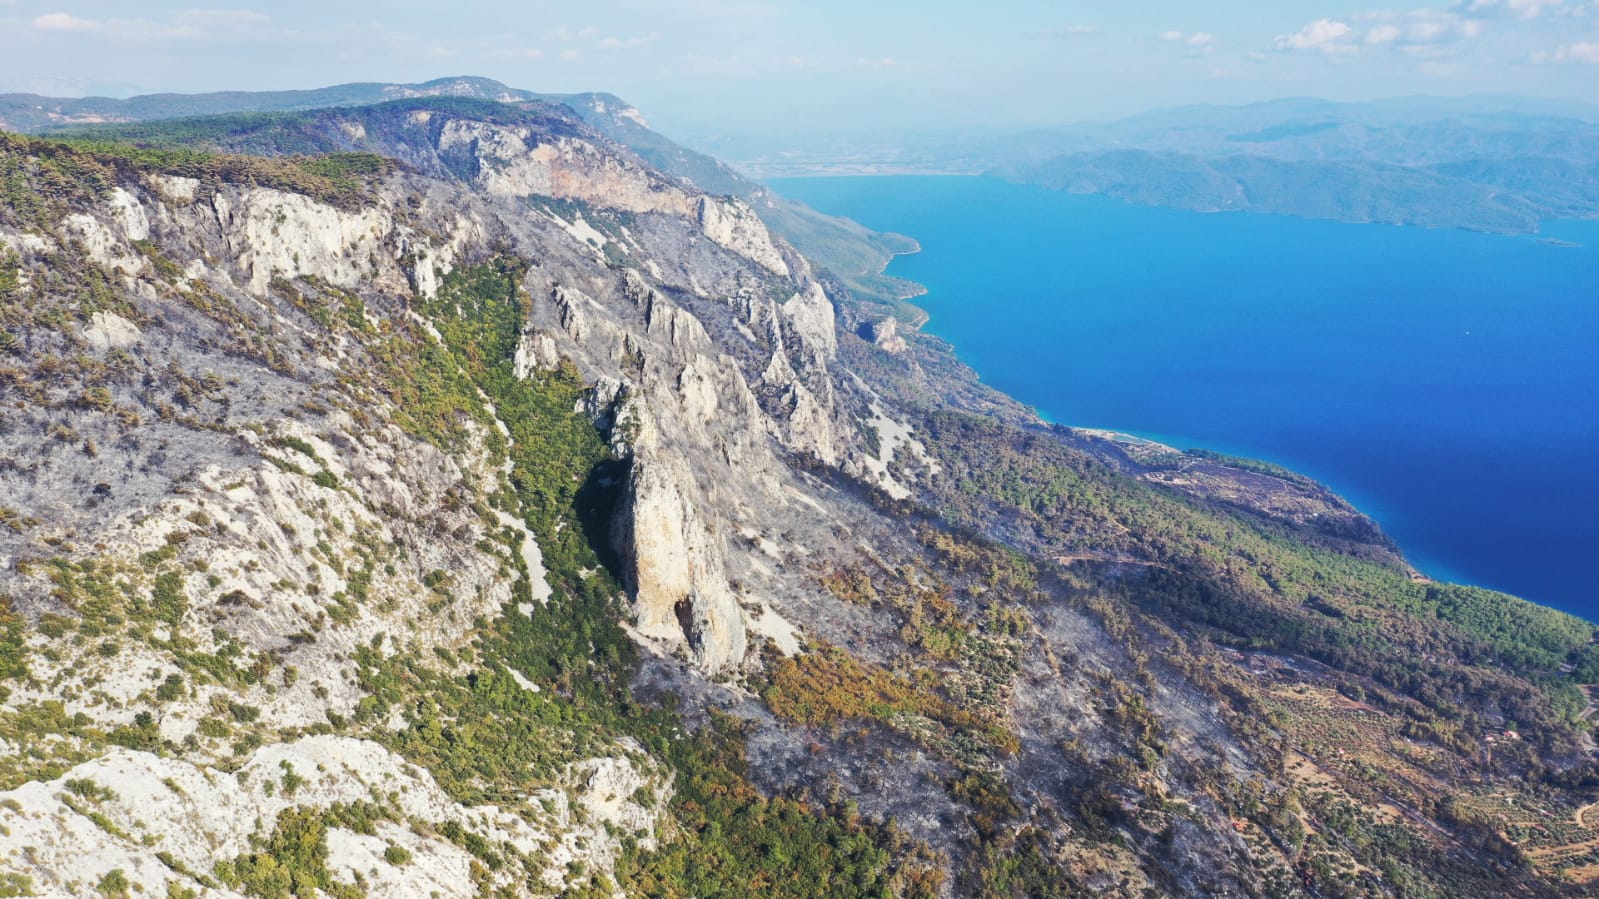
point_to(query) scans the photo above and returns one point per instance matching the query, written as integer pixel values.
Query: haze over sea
(1447, 382)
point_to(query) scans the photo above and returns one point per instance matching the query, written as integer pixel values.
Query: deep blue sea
(1446, 382)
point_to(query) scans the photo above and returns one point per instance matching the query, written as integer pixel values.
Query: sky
(705, 67)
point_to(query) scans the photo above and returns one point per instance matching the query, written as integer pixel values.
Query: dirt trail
(1581, 814)
(1569, 849)
(1585, 714)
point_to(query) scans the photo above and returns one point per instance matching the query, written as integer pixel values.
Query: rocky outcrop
(515, 162)
(673, 565)
(884, 334)
(735, 226)
(703, 430)
(274, 233)
(511, 163)
(162, 821)
(811, 315)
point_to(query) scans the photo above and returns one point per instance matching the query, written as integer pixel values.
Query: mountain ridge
(839, 242)
(516, 515)
(1484, 164)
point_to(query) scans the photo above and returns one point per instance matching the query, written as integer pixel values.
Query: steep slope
(855, 254)
(448, 499)
(286, 484)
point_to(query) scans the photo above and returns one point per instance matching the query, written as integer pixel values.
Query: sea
(1444, 381)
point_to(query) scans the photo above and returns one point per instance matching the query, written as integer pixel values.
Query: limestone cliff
(293, 523)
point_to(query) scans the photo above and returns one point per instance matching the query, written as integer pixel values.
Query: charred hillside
(441, 497)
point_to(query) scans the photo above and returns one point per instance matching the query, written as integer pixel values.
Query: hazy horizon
(699, 67)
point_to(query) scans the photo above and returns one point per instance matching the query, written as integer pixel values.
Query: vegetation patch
(292, 861)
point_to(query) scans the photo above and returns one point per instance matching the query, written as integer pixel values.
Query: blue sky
(702, 66)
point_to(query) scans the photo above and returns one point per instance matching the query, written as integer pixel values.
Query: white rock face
(885, 335)
(436, 868)
(271, 232)
(675, 565)
(279, 552)
(698, 439)
(535, 352)
(199, 816)
(110, 331)
(25, 242)
(608, 789)
(733, 225)
(571, 169)
(129, 214)
(811, 314)
(565, 168)
(174, 187)
(774, 627)
(103, 244)
(532, 556)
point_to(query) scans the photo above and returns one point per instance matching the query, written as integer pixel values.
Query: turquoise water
(1446, 382)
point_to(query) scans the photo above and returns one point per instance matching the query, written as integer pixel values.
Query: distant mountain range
(1499, 164)
(1491, 164)
(1414, 162)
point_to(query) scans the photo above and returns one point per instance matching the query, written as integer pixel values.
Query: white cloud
(1326, 36)
(566, 34)
(1065, 31)
(1383, 34)
(1503, 9)
(894, 64)
(1582, 52)
(1422, 33)
(628, 43)
(746, 65)
(61, 21)
(1200, 43)
(1439, 30)
(226, 17)
(1419, 33)
(191, 24)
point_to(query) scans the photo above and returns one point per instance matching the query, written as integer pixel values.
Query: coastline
(919, 316)
(1426, 569)
(777, 171)
(1388, 516)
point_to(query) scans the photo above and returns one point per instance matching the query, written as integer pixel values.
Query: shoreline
(1427, 567)
(842, 170)
(920, 290)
